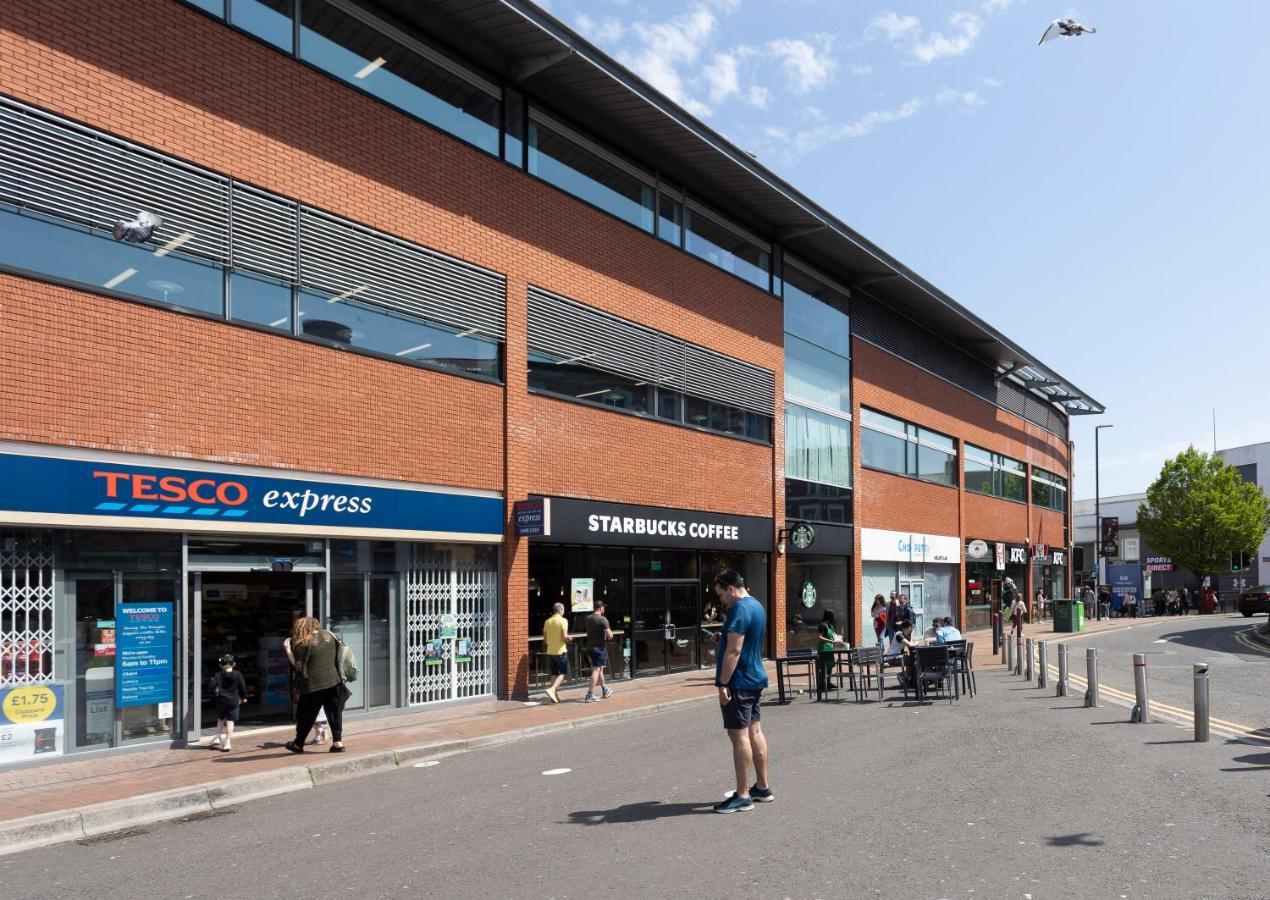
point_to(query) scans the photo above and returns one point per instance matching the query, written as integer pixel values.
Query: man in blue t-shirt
(741, 678)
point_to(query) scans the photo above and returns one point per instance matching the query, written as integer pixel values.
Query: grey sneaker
(762, 795)
(734, 804)
(590, 698)
(608, 692)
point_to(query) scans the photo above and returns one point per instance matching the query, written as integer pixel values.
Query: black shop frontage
(988, 565)
(654, 568)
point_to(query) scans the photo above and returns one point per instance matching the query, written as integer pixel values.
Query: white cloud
(608, 30)
(861, 69)
(992, 82)
(757, 96)
(812, 139)
(806, 67)
(666, 47)
(996, 6)
(935, 45)
(722, 77)
(969, 99)
(894, 26)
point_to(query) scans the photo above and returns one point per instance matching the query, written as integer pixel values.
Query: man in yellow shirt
(556, 634)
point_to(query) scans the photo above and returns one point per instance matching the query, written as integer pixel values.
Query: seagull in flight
(1064, 28)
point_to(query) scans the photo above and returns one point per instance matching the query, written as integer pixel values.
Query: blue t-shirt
(746, 617)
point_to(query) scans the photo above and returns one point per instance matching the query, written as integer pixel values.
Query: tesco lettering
(211, 491)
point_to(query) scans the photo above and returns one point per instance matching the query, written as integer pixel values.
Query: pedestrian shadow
(646, 811)
(1253, 762)
(1075, 840)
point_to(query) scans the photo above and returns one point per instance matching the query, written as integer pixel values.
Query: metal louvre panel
(561, 327)
(81, 176)
(338, 257)
(717, 377)
(265, 233)
(568, 329)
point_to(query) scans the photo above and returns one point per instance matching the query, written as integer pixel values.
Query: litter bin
(1069, 615)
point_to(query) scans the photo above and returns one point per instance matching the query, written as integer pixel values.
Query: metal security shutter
(340, 257)
(84, 177)
(567, 329)
(265, 233)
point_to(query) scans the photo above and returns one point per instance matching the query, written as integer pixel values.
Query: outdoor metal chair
(866, 666)
(962, 653)
(935, 667)
(796, 663)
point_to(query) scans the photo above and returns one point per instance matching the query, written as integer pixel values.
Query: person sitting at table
(828, 640)
(900, 650)
(946, 631)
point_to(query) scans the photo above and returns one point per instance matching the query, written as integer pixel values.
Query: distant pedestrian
(1018, 614)
(1104, 602)
(892, 607)
(598, 635)
(904, 612)
(1040, 605)
(1009, 593)
(1210, 601)
(314, 654)
(1184, 600)
(740, 677)
(879, 618)
(229, 690)
(555, 632)
(827, 641)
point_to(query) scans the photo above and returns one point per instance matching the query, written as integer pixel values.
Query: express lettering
(307, 501)
(173, 489)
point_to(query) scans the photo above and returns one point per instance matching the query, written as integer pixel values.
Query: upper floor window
(1049, 490)
(270, 20)
(902, 448)
(817, 446)
(727, 246)
(399, 71)
(994, 474)
(577, 166)
(816, 310)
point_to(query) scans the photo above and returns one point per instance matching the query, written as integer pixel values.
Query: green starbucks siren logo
(809, 594)
(802, 536)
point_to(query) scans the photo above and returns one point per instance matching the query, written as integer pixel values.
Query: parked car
(1255, 600)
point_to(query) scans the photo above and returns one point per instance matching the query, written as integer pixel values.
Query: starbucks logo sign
(809, 594)
(802, 536)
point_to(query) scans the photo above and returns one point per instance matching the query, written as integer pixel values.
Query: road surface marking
(557, 771)
(427, 763)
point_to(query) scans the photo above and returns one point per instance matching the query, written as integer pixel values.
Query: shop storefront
(1049, 572)
(654, 568)
(922, 567)
(988, 564)
(817, 578)
(124, 578)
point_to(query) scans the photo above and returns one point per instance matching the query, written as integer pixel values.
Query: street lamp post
(1098, 527)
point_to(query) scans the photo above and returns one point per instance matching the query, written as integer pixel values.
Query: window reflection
(262, 301)
(96, 260)
(723, 247)
(267, 19)
(568, 165)
(357, 54)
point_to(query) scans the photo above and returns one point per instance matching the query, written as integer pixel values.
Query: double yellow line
(1220, 727)
(1257, 647)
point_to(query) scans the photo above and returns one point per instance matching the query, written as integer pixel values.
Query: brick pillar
(515, 625)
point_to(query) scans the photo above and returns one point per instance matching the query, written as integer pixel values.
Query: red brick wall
(897, 503)
(84, 370)
(993, 519)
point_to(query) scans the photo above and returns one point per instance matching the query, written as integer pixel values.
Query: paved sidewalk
(73, 783)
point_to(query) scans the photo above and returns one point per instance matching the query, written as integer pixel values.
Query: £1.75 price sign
(31, 720)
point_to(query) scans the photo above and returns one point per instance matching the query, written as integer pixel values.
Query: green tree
(1199, 511)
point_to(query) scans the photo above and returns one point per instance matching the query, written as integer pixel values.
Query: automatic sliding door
(683, 624)
(649, 625)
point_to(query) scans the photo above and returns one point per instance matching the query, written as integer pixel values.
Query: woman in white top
(1040, 603)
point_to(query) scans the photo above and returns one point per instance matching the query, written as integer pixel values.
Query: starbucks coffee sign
(809, 594)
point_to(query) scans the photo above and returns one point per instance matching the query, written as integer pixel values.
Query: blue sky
(1104, 200)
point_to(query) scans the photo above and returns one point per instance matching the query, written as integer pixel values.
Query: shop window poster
(32, 720)
(582, 594)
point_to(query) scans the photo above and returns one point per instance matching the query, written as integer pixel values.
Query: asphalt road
(1239, 670)
(1012, 794)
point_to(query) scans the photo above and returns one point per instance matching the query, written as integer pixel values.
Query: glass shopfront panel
(814, 585)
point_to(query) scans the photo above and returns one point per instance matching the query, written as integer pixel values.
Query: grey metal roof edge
(579, 45)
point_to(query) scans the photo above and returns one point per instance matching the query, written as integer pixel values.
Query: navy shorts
(599, 658)
(742, 710)
(226, 712)
(558, 665)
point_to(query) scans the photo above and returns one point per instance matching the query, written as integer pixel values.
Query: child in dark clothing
(230, 690)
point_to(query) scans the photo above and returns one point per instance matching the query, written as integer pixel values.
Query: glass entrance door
(916, 593)
(666, 627)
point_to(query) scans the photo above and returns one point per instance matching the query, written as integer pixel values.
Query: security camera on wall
(137, 230)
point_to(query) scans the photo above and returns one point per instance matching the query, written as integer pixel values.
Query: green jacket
(315, 664)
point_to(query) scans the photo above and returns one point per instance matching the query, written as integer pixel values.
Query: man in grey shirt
(598, 634)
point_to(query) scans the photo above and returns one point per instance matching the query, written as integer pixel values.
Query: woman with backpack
(314, 653)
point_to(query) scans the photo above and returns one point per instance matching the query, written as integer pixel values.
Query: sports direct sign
(72, 491)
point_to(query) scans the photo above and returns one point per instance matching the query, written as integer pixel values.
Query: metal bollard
(1201, 701)
(1142, 709)
(996, 633)
(1060, 690)
(1091, 675)
(1042, 664)
(1018, 654)
(1027, 666)
(1009, 656)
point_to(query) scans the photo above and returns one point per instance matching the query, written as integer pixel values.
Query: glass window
(665, 563)
(936, 465)
(514, 127)
(723, 247)
(670, 218)
(903, 448)
(826, 581)
(994, 474)
(357, 325)
(571, 379)
(1049, 490)
(559, 160)
(96, 260)
(268, 19)
(817, 376)
(817, 446)
(215, 7)
(875, 419)
(812, 502)
(978, 475)
(346, 48)
(879, 450)
(670, 406)
(816, 312)
(261, 301)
